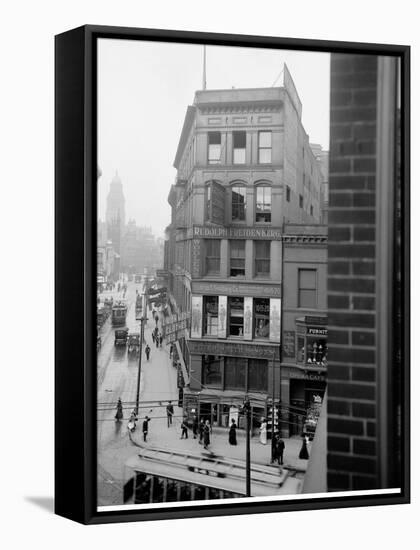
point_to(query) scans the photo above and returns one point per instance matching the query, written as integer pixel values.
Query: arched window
(263, 203)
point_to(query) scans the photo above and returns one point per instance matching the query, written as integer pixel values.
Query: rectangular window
(300, 201)
(287, 193)
(210, 308)
(237, 258)
(239, 147)
(238, 203)
(263, 204)
(215, 147)
(235, 373)
(307, 288)
(262, 258)
(212, 256)
(236, 316)
(257, 375)
(264, 147)
(212, 370)
(261, 317)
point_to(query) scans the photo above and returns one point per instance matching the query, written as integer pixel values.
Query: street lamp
(143, 319)
(247, 411)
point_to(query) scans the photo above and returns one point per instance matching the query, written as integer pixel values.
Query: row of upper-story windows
(239, 138)
(236, 268)
(238, 203)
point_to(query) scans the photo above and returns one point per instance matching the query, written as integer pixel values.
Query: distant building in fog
(115, 212)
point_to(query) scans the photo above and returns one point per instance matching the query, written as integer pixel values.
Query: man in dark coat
(145, 427)
(184, 428)
(280, 446)
(169, 413)
(147, 350)
(206, 431)
(195, 426)
(201, 431)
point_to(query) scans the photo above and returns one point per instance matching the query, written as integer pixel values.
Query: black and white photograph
(241, 236)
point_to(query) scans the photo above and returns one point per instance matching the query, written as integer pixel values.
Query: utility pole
(247, 411)
(143, 319)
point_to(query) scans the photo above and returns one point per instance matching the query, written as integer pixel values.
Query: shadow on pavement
(46, 503)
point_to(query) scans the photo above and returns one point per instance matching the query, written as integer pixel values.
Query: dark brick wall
(352, 446)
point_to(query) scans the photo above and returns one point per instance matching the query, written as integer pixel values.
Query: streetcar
(119, 313)
(163, 475)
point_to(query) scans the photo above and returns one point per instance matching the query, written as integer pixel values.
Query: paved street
(117, 378)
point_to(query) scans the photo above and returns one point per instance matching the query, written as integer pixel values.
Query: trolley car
(162, 475)
(119, 313)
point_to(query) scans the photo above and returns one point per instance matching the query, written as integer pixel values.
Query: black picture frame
(75, 268)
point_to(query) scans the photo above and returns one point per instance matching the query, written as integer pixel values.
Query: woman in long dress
(263, 432)
(232, 433)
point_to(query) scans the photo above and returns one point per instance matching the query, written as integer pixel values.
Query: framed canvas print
(232, 274)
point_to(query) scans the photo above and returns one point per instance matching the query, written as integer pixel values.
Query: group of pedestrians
(157, 337)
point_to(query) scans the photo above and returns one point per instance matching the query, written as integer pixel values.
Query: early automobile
(121, 335)
(133, 342)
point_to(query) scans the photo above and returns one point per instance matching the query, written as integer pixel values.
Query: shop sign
(317, 331)
(174, 324)
(237, 289)
(234, 349)
(255, 233)
(311, 376)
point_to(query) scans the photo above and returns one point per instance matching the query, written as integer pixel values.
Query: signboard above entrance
(255, 233)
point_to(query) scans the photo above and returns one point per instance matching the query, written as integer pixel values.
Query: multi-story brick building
(245, 169)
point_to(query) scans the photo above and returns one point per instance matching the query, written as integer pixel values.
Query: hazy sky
(144, 89)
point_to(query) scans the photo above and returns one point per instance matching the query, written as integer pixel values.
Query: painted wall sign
(289, 343)
(235, 349)
(237, 289)
(247, 318)
(222, 317)
(275, 309)
(255, 233)
(196, 254)
(196, 316)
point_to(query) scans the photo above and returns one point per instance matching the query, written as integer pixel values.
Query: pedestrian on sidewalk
(171, 350)
(132, 422)
(169, 413)
(206, 434)
(160, 340)
(157, 341)
(147, 350)
(195, 426)
(263, 432)
(201, 431)
(280, 446)
(232, 433)
(304, 455)
(184, 429)
(153, 337)
(145, 428)
(156, 319)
